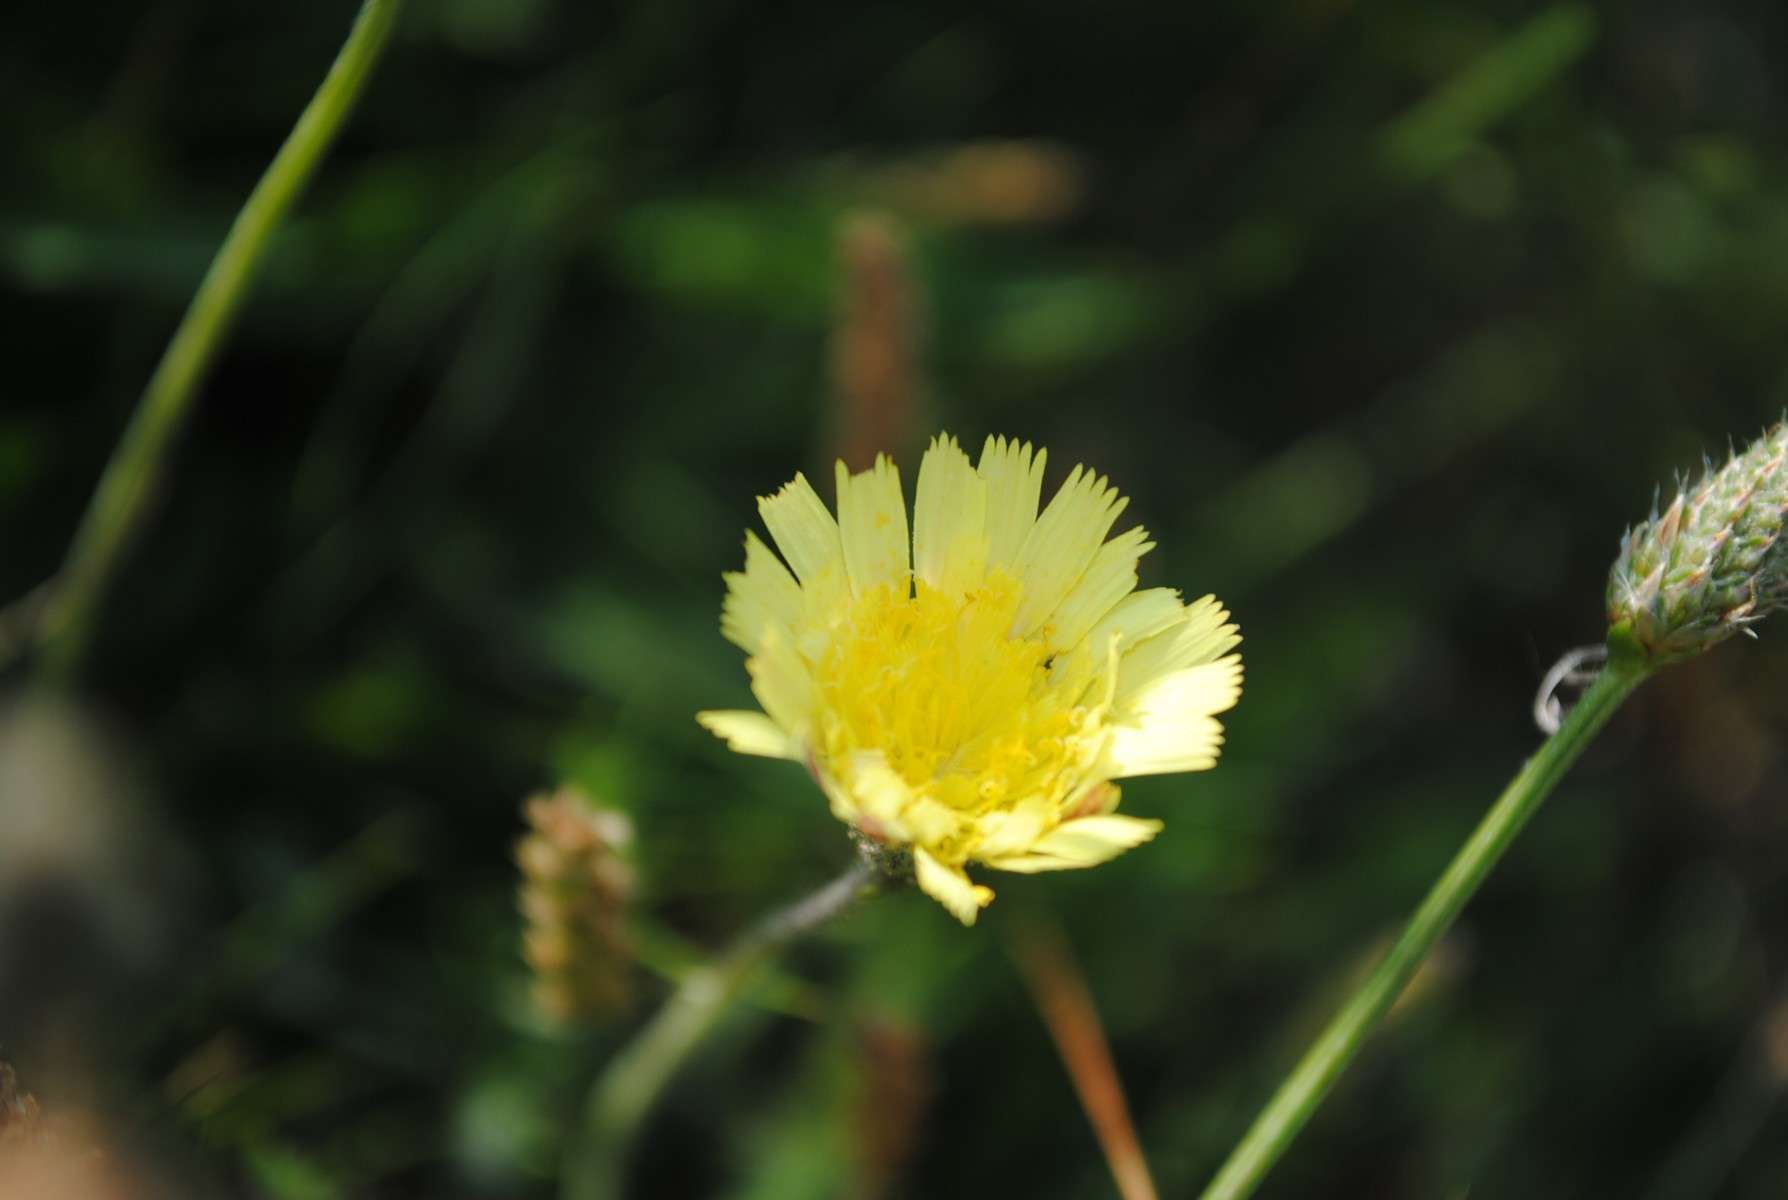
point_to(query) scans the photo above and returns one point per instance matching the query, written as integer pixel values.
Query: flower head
(1713, 564)
(974, 700)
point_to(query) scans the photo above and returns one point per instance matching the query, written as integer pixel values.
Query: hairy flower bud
(1713, 564)
(574, 894)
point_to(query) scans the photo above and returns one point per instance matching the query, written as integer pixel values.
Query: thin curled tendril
(1576, 669)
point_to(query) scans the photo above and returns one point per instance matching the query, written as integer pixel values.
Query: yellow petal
(804, 531)
(1110, 578)
(876, 798)
(763, 596)
(1203, 634)
(782, 684)
(933, 823)
(1062, 544)
(1014, 478)
(949, 520)
(1169, 726)
(1010, 832)
(838, 797)
(750, 733)
(872, 525)
(950, 887)
(1137, 616)
(1086, 842)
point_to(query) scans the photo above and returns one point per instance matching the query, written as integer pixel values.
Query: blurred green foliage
(1389, 317)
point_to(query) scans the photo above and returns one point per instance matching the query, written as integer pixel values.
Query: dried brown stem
(1066, 1005)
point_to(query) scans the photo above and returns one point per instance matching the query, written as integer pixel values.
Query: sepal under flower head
(1712, 564)
(969, 693)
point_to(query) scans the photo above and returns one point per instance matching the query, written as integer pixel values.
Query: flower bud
(574, 895)
(1713, 564)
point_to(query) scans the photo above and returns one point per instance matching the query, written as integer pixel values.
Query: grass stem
(1303, 1090)
(121, 500)
(625, 1093)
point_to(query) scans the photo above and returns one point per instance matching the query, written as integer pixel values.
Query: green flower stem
(1298, 1096)
(595, 1168)
(119, 502)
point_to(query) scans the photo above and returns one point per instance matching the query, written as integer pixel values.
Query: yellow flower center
(966, 714)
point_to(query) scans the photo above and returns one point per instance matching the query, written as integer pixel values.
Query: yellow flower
(973, 703)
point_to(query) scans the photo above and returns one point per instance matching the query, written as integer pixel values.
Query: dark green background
(1389, 317)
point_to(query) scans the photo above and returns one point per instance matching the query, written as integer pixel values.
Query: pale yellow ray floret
(974, 701)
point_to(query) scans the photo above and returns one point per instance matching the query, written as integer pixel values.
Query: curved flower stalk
(972, 701)
(1711, 565)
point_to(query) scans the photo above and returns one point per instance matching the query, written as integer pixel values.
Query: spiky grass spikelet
(1712, 564)
(575, 889)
